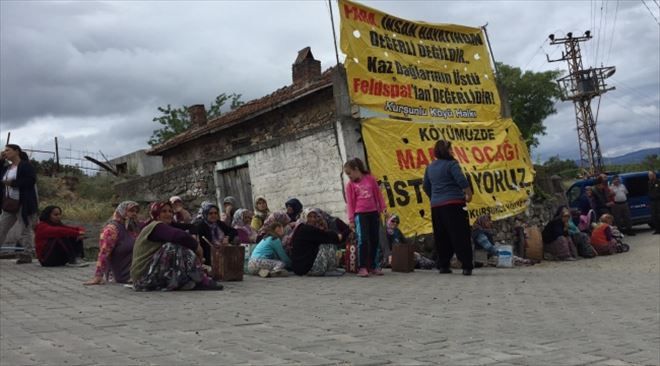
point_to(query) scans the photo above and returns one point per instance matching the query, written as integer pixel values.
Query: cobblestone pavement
(603, 311)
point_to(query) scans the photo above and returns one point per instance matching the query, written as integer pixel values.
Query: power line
(609, 52)
(650, 12)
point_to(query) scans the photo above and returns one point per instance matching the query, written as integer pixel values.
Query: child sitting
(269, 258)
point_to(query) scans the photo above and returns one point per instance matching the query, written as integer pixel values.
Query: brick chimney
(306, 69)
(197, 115)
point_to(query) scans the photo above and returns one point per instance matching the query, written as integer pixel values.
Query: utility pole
(582, 86)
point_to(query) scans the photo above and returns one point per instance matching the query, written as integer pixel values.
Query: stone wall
(193, 182)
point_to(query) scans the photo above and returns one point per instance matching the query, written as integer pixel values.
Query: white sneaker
(77, 263)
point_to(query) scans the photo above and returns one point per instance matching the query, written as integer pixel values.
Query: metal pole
(334, 35)
(57, 156)
(8, 136)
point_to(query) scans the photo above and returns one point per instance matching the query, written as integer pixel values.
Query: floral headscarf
(239, 216)
(277, 216)
(480, 223)
(199, 216)
(322, 222)
(156, 207)
(216, 233)
(120, 215)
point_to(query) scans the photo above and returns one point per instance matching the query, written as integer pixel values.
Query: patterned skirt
(173, 267)
(326, 260)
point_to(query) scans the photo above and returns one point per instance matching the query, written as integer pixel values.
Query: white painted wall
(308, 169)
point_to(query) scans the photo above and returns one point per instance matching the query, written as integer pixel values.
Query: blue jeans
(483, 242)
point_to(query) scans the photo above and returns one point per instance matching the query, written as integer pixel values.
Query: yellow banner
(492, 154)
(415, 69)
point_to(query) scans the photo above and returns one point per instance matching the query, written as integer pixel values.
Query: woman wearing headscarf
(57, 244)
(116, 245)
(166, 258)
(261, 212)
(229, 207)
(482, 235)
(556, 239)
(181, 215)
(277, 216)
(293, 209)
(241, 222)
(313, 247)
(212, 231)
(18, 198)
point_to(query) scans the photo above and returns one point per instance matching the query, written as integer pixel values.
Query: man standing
(620, 210)
(654, 200)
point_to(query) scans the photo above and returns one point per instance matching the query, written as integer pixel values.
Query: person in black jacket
(556, 239)
(310, 234)
(213, 230)
(654, 200)
(18, 198)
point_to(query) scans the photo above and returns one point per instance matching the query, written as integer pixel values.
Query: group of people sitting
(570, 234)
(172, 249)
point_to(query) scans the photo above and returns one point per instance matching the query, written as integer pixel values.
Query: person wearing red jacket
(57, 244)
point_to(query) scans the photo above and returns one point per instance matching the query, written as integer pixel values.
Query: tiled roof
(247, 111)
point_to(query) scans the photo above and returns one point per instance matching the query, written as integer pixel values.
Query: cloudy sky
(94, 73)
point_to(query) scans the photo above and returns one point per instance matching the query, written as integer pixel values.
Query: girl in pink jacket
(365, 203)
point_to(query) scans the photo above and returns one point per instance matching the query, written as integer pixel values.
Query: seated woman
(581, 240)
(166, 258)
(116, 245)
(556, 240)
(57, 244)
(261, 212)
(602, 239)
(293, 208)
(277, 216)
(394, 237)
(181, 215)
(229, 207)
(482, 236)
(241, 223)
(313, 246)
(212, 231)
(269, 258)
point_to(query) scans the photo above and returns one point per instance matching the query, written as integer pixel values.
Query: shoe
(24, 259)
(211, 286)
(77, 263)
(377, 272)
(363, 273)
(263, 273)
(656, 232)
(570, 259)
(279, 273)
(445, 270)
(631, 233)
(467, 272)
(478, 264)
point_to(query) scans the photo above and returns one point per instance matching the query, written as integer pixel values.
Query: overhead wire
(650, 12)
(616, 12)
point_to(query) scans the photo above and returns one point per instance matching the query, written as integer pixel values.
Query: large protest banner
(415, 69)
(492, 154)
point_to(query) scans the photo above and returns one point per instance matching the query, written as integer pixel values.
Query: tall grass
(89, 200)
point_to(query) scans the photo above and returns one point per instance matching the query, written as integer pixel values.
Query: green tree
(532, 97)
(564, 168)
(651, 162)
(176, 120)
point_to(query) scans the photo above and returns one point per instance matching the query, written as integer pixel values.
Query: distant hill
(629, 158)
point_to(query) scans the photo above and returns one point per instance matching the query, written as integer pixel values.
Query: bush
(81, 210)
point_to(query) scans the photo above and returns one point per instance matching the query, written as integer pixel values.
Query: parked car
(638, 198)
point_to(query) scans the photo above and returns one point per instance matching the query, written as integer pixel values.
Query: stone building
(291, 143)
